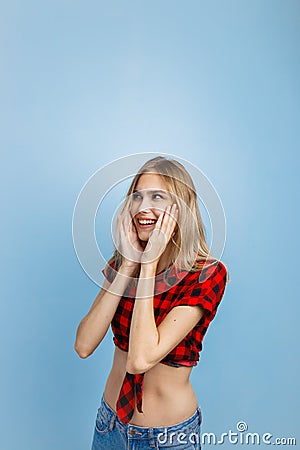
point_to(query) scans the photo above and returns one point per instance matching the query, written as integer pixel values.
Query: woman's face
(149, 200)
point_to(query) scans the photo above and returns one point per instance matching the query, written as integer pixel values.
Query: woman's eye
(157, 196)
(136, 196)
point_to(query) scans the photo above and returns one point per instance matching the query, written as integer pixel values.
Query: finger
(172, 220)
(124, 228)
(173, 214)
(128, 223)
(132, 230)
(120, 234)
(119, 221)
(131, 233)
(122, 231)
(159, 220)
(126, 220)
(166, 219)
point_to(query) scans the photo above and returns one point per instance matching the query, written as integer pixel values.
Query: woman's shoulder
(209, 268)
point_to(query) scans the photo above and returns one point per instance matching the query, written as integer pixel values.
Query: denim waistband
(190, 422)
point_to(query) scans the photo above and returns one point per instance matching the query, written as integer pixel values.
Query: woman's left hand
(160, 236)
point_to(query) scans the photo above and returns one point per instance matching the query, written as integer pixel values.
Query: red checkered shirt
(204, 288)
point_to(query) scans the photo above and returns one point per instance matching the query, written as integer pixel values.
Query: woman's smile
(145, 222)
(144, 226)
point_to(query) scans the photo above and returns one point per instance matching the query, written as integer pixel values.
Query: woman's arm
(149, 344)
(93, 327)
(95, 324)
(143, 332)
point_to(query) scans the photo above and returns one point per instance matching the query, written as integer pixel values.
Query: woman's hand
(131, 248)
(160, 236)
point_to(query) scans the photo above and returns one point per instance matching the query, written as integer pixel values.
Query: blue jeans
(111, 433)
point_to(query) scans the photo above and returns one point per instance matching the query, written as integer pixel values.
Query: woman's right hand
(130, 247)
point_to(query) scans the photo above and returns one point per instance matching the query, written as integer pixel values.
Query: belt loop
(112, 422)
(151, 437)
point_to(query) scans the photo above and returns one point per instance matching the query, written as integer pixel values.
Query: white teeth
(146, 222)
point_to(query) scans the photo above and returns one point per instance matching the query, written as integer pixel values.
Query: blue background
(83, 83)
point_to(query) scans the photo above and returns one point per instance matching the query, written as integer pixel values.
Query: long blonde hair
(189, 249)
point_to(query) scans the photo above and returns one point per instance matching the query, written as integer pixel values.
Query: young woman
(161, 290)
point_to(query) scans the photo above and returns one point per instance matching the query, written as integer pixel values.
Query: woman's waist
(163, 404)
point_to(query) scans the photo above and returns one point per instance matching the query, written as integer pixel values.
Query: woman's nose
(145, 204)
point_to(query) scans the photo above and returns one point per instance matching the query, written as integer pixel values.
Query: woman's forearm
(143, 331)
(93, 327)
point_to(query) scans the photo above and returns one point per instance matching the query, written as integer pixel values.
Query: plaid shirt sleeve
(204, 288)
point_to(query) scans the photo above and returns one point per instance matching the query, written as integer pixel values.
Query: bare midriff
(168, 396)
